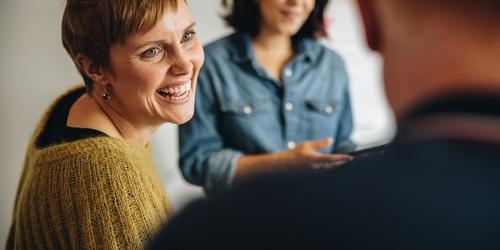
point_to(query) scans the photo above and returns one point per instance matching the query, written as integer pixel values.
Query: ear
(371, 23)
(91, 69)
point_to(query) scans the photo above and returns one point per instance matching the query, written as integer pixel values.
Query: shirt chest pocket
(246, 108)
(322, 117)
(248, 118)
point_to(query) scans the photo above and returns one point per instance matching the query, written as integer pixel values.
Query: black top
(56, 131)
(436, 191)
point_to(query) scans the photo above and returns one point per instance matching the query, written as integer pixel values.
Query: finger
(322, 143)
(328, 158)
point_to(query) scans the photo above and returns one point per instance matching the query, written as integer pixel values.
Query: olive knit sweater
(96, 192)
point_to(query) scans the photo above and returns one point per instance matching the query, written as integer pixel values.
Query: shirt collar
(472, 116)
(242, 49)
(308, 49)
(472, 102)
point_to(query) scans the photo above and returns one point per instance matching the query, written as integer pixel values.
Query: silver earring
(105, 95)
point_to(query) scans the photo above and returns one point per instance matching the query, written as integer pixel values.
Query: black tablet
(367, 150)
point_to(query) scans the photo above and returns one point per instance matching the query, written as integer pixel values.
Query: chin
(179, 113)
(290, 29)
(291, 32)
(181, 116)
(184, 119)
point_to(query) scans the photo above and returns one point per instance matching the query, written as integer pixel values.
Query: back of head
(90, 27)
(484, 11)
(434, 47)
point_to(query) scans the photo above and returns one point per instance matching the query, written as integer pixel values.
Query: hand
(306, 154)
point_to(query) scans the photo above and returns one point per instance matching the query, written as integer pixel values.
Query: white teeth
(178, 91)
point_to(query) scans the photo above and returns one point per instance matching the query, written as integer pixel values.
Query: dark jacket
(436, 187)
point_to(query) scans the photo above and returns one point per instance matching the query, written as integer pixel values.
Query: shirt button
(288, 106)
(247, 110)
(328, 109)
(288, 72)
(291, 144)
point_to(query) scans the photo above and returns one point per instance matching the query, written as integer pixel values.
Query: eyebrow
(190, 26)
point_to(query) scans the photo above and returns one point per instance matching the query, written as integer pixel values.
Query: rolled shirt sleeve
(221, 168)
(204, 159)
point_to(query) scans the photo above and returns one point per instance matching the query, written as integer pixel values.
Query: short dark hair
(244, 16)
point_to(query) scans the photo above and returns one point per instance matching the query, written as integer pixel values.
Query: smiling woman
(89, 180)
(271, 97)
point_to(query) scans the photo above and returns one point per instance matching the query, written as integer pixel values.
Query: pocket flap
(246, 106)
(323, 107)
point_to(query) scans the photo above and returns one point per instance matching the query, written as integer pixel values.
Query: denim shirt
(240, 109)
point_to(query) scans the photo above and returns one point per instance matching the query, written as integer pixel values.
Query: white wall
(373, 123)
(35, 68)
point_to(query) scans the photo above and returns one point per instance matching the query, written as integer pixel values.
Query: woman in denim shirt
(270, 97)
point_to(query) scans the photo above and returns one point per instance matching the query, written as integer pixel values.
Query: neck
(273, 51)
(96, 113)
(447, 57)
(267, 40)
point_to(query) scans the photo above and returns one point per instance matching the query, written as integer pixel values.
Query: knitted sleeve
(88, 202)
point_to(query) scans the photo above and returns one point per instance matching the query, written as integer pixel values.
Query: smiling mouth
(177, 93)
(291, 15)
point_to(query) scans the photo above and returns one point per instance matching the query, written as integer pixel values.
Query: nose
(180, 63)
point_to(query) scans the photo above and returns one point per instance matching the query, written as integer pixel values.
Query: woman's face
(285, 16)
(153, 74)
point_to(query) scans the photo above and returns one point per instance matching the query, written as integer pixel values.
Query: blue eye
(188, 36)
(152, 52)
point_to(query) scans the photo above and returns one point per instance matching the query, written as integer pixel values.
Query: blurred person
(89, 180)
(436, 187)
(271, 97)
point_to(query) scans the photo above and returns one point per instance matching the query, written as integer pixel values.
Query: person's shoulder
(320, 50)
(332, 55)
(95, 152)
(279, 203)
(225, 48)
(82, 163)
(222, 47)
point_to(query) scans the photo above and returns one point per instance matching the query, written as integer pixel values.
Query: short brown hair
(91, 27)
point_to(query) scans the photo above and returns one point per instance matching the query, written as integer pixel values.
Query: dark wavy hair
(244, 16)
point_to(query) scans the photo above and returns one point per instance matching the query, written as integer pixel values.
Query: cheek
(269, 12)
(141, 76)
(197, 58)
(309, 10)
(309, 6)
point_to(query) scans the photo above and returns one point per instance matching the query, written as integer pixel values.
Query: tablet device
(365, 150)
